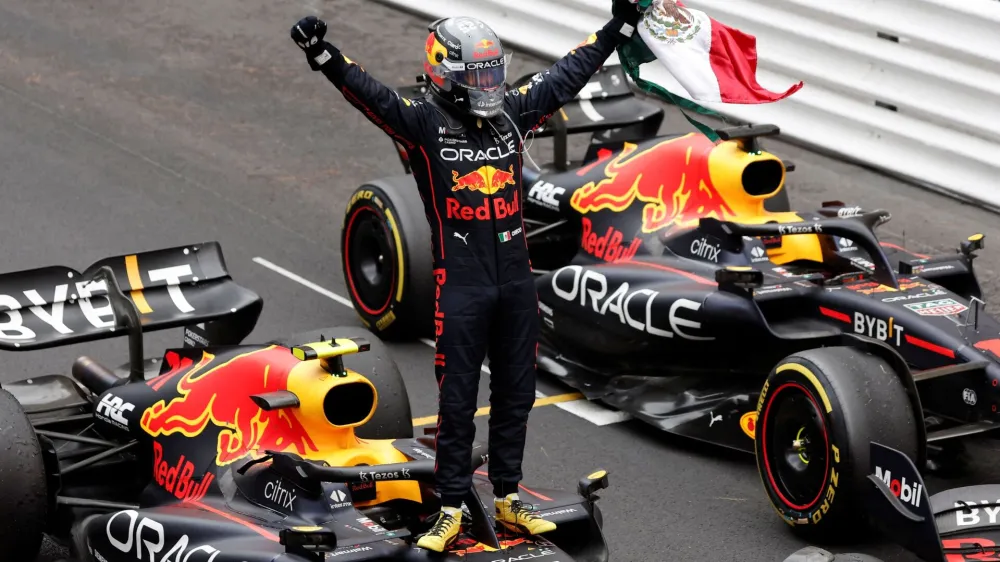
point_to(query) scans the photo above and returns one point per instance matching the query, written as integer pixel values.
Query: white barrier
(911, 87)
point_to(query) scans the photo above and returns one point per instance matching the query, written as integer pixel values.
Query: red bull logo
(220, 395)
(485, 49)
(673, 179)
(487, 179)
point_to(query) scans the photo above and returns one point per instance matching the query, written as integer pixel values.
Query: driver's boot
(518, 516)
(444, 532)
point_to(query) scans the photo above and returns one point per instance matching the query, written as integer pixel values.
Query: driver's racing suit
(468, 173)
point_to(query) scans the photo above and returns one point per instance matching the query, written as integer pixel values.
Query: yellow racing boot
(518, 517)
(444, 532)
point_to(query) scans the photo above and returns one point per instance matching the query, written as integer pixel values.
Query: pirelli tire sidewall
(867, 402)
(386, 217)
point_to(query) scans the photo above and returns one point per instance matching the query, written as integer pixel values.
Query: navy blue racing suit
(468, 173)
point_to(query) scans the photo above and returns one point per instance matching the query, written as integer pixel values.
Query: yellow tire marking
(399, 254)
(135, 282)
(812, 378)
(485, 410)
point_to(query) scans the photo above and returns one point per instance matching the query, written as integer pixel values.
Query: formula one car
(669, 289)
(297, 450)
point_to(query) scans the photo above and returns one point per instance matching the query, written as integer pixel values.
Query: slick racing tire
(23, 485)
(388, 259)
(817, 415)
(392, 419)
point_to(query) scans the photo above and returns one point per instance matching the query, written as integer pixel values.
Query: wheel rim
(796, 446)
(371, 272)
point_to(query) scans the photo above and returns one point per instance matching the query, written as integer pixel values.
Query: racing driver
(465, 141)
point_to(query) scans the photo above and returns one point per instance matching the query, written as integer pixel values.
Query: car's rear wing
(185, 286)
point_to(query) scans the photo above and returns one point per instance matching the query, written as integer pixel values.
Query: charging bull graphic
(220, 394)
(486, 179)
(672, 178)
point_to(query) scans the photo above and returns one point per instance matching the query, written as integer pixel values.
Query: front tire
(392, 419)
(388, 260)
(23, 485)
(817, 415)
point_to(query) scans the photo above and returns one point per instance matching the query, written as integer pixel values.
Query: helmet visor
(488, 78)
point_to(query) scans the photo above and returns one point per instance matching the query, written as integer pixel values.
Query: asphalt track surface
(129, 126)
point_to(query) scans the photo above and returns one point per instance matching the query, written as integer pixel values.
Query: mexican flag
(711, 61)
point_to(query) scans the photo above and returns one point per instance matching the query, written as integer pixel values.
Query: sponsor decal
(705, 250)
(908, 492)
(846, 245)
(558, 512)
(339, 499)
(591, 285)
(469, 155)
(484, 64)
(177, 479)
(52, 311)
(485, 49)
(971, 514)
(422, 453)
(878, 329)
(774, 289)
(868, 287)
(782, 272)
(807, 229)
(848, 212)
(483, 212)
(925, 269)
(348, 550)
(526, 556)
(279, 495)
(205, 402)
(969, 396)
(508, 235)
(111, 409)
(640, 176)
(941, 307)
(863, 263)
(748, 421)
(386, 320)
(440, 276)
(931, 293)
(544, 194)
(758, 254)
(375, 475)
(195, 339)
(145, 538)
(371, 525)
(486, 179)
(363, 491)
(608, 247)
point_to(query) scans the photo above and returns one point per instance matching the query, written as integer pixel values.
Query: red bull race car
(298, 450)
(676, 284)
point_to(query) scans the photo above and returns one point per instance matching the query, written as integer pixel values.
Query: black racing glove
(308, 34)
(627, 12)
(626, 17)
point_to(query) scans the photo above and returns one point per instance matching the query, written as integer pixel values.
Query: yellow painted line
(485, 410)
(135, 282)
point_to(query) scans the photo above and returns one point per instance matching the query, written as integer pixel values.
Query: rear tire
(23, 485)
(816, 417)
(388, 259)
(392, 419)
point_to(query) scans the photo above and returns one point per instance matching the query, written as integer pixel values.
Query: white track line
(594, 413)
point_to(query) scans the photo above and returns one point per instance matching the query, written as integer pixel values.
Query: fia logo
(969, 396)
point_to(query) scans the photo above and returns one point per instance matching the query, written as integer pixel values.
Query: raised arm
(550, 90)
(400, 118)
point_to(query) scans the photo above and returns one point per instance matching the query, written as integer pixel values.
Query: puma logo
(463, 238)
(714, 419)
